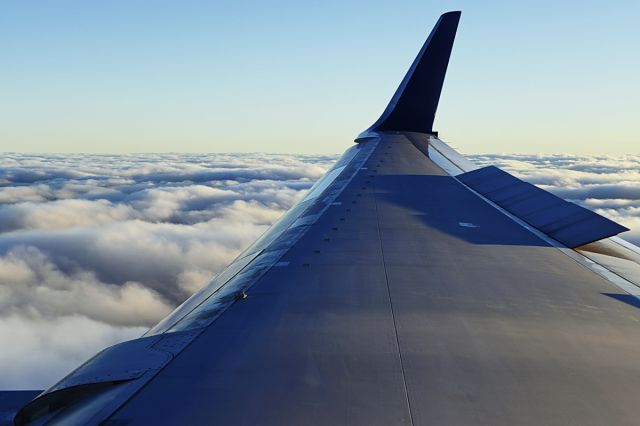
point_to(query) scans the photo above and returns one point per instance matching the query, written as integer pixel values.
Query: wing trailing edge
(413, 106)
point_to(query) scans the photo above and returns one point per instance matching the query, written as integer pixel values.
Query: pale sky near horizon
(195, 76)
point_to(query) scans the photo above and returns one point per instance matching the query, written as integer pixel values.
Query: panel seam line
(393, 316)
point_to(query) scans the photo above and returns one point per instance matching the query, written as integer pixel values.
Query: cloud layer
(95, 249)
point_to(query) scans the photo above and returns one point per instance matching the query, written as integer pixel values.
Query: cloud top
(95, 249)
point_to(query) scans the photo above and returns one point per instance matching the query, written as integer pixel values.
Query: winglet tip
(453, 15)
(414, 104)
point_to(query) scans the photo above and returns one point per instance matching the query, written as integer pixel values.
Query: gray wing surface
(393, 294)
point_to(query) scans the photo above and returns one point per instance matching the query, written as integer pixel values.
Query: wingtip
(414, 104)
(452, 16)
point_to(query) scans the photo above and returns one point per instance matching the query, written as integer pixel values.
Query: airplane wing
(408, 287)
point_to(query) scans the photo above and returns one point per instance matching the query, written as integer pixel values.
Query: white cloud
(37, 351)
(95, 249)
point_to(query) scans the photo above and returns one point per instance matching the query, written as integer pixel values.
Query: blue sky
(142, 76)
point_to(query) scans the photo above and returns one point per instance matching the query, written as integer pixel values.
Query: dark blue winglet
(413, 106)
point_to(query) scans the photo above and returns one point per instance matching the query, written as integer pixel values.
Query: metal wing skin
(402, 290)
